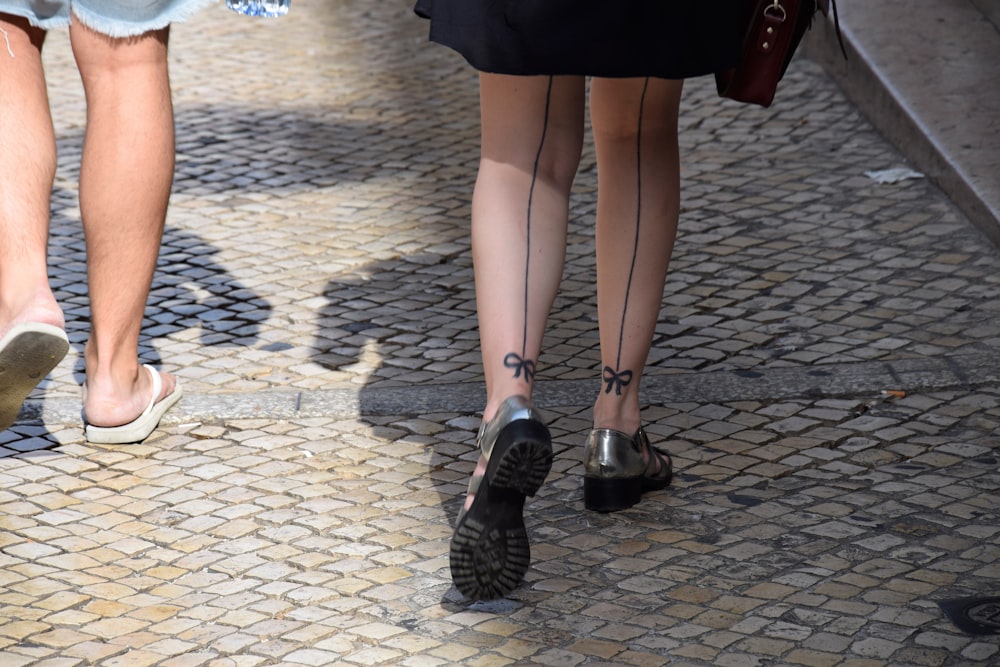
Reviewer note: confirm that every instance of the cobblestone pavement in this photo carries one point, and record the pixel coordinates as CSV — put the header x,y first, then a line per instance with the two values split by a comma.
x,y
825,374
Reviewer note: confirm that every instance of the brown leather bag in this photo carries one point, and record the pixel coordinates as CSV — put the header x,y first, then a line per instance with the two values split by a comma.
x,y
774,30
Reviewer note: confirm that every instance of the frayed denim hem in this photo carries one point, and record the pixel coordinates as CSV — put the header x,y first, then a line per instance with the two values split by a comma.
x,y
137,25
57,20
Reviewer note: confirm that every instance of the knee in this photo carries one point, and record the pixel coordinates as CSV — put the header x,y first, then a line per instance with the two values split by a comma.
x,y
554,162
623,136
560,154
628,128
622,110
559,168
99,56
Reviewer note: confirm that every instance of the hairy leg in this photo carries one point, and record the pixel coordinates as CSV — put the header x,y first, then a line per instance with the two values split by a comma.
x,y
27,171
532,135
125,181
635,134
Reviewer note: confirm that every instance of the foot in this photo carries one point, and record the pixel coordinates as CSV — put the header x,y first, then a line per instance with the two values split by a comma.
x,y
489,549
113,418
38,307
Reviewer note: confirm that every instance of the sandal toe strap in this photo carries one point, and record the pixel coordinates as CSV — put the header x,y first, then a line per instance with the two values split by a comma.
x,y
660,464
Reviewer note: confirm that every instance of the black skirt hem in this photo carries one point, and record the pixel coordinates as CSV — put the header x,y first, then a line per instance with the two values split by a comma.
x,y
625,39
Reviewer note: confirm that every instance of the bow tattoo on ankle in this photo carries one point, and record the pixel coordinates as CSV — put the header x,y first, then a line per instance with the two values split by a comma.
x,y
518,364
616,380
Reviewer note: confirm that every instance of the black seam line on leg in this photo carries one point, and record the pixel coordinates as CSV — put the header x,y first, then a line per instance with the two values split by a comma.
x,y
635,245
531,197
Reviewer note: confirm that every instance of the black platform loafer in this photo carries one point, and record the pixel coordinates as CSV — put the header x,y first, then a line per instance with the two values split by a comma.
x,y
489,549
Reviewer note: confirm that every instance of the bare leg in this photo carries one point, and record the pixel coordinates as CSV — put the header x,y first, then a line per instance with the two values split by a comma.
x,y
532,134
27,171
532,137
125,180
635,133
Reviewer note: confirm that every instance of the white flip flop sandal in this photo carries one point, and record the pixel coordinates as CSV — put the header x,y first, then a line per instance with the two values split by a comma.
x,y
28,353
138,429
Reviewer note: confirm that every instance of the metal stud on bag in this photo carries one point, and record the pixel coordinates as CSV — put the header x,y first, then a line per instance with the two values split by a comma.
x,y
774,16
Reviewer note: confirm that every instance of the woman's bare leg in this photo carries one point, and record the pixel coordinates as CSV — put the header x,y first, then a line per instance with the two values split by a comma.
x,y
635,134
532,131
532,138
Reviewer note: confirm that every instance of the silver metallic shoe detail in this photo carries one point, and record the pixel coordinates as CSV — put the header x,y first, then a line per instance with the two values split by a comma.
x,y
512,409
617,469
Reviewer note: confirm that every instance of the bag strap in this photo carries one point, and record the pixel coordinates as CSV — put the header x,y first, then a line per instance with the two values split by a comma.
x,y
824,6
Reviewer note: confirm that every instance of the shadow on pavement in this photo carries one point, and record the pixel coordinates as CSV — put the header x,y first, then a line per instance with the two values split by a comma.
x,y
403,323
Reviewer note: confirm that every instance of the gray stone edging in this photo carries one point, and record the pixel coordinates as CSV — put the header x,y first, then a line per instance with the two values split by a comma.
x,y
856,379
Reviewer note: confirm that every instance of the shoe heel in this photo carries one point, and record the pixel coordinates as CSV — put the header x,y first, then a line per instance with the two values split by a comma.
x,y
610,495
488,560
526,457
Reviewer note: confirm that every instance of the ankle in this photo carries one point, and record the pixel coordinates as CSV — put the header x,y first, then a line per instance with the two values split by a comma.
x,y
618,415
494,402
115,398
38,306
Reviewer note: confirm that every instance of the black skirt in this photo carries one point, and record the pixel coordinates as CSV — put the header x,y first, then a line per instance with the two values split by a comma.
x,y
671,39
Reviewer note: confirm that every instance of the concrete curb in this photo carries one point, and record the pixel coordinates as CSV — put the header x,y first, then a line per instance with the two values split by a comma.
x,y
772,384
924,73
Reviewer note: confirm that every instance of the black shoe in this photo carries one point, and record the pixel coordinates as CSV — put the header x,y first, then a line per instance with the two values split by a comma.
x,y
489,549
618,469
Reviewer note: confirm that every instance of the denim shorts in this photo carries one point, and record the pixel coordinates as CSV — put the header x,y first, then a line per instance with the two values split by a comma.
x,y
115,18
